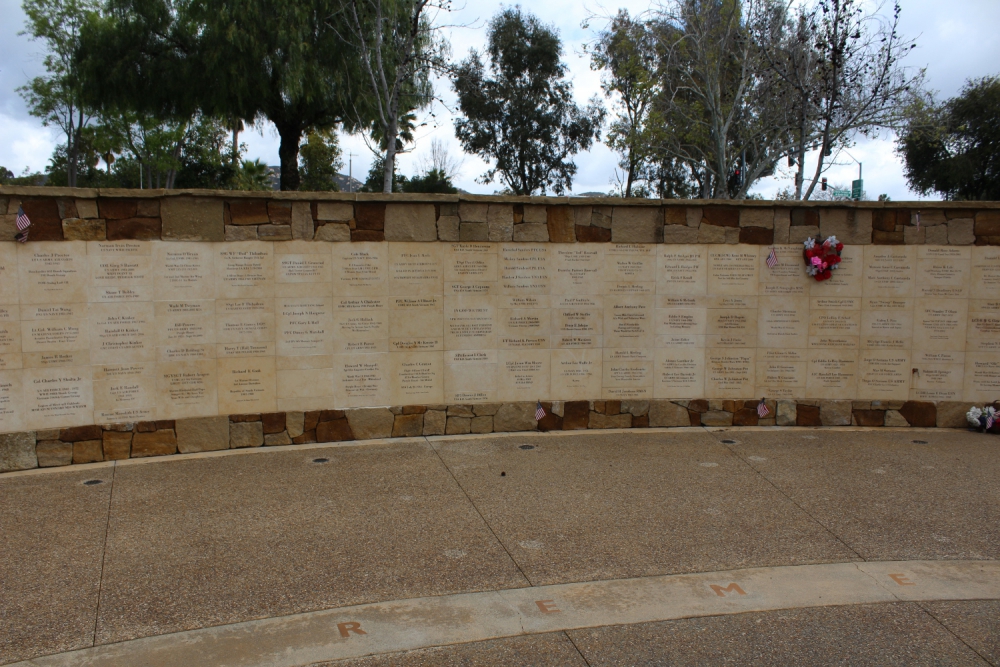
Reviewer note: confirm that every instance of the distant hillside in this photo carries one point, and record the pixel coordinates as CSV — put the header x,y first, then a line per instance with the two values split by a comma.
x,y
344,182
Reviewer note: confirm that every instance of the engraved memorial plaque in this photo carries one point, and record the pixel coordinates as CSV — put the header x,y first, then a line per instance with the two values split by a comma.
x,y
681,270
244,269
417,378
360,269
733,271
470,269
124,392
729,373
470,376
122,332
360,325
577,322
469,323
522,375
55,397
247,385
524,268
415,269
186,389
889,271
121,271
630,268
577,268
628,322
53,272
183,271
628,374
679,373
305,326
575,373
884,375
185,329
943,271
832,374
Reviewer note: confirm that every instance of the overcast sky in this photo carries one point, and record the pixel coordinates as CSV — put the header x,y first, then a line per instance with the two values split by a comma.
x,y
956,40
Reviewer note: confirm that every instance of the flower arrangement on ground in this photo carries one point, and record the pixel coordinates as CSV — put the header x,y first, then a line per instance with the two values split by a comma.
x,y
822,256
981,419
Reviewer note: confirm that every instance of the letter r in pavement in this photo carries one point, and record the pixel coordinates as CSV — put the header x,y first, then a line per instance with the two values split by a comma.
x,y
347,628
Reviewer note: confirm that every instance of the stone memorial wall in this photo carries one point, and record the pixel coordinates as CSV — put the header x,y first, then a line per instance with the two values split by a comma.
x,y
284,319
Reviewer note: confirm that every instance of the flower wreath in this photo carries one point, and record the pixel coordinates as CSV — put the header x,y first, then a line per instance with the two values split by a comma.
x,y
822,257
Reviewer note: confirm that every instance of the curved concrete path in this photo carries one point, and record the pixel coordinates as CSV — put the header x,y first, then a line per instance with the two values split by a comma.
x,y
403,625
772,546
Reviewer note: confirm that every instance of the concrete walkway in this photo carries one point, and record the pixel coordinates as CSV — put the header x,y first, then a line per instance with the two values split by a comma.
x,y
691,546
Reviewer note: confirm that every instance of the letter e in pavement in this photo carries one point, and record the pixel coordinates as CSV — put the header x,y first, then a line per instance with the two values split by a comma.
x,y
731,588
901,579
347,628
547,606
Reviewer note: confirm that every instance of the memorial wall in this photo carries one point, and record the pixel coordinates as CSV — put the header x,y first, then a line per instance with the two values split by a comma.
x,y
126,331
144,323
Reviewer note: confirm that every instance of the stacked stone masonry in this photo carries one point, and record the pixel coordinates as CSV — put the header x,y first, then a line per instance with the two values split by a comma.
x,y
140,324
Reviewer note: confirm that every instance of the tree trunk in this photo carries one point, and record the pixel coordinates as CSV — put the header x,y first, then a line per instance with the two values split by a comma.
x,y
389,166
71,151
236,143
288,152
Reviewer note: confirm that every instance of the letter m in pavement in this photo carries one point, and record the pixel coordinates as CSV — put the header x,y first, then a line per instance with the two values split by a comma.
x,y
731,588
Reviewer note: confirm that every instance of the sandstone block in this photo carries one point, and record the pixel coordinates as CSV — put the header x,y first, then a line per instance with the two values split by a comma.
x,y
869,418
593,235
302,221
78,433
67,208
757,217
461,411
674,215
500,222
482,424
80,229
369,215
961,231
192,219
914,235
951,414
367,423
636,224
248,212
531,232
274,422
665,413
334,210
919,413
746,417
470,212
333,232
46,225
87,208
485,409
410,222
156,443
782,222
434,422
937,235
117,445
835,413
635,408
473,231
115,209
987,223
277,439
88,451
279,212
721,216
600,216
17,451
893,418
561,224
535,214
756,235
459,426
141,229
201,434
53,453
807,415
246,434
335,430
408,426
447,228
798,234
850,227
515,417
294,421
717,418
241,233
887,238
576,415
680,234
711,234
276,232
694,217
597,420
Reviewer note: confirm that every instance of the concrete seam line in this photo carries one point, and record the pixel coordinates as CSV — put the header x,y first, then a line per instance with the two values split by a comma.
x,y
402,625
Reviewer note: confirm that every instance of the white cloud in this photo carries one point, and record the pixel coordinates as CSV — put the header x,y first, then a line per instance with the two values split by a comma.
x,y
25,143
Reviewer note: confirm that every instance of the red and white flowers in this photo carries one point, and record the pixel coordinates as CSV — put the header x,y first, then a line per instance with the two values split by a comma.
x,y
822,257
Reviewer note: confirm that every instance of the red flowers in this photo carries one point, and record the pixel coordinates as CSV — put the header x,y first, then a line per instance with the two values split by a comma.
x,y
822,257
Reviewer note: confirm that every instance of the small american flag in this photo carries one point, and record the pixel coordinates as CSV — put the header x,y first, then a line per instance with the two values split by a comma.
x,y
22,225
989,420
539,411
772,259
762,410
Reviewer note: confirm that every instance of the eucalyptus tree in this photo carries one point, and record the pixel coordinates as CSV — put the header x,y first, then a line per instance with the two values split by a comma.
x,y
233,59
517,107
57,97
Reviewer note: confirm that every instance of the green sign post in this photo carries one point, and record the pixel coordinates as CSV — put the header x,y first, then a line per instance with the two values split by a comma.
x,y
856,188
841,194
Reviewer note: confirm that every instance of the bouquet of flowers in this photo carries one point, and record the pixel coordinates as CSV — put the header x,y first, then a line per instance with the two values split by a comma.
x,y
981,420
822,257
